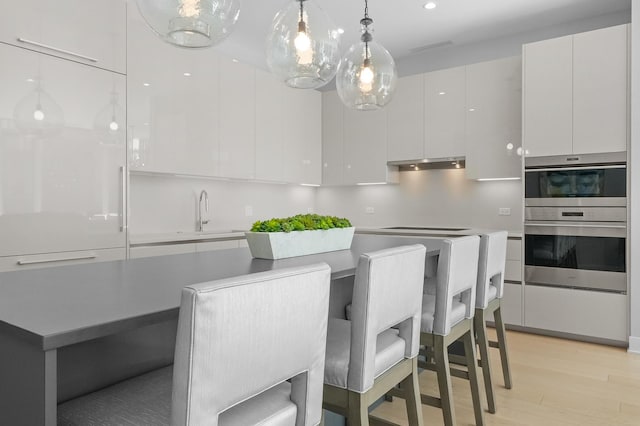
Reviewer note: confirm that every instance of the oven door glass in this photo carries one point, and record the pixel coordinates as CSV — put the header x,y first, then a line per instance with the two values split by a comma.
x,y
576,182
575,252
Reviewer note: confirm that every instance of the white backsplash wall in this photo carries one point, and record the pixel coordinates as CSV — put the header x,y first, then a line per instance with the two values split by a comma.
x,y
160,204
427,198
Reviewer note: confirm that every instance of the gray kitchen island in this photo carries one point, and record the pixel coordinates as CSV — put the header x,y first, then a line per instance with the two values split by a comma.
x,y
69,330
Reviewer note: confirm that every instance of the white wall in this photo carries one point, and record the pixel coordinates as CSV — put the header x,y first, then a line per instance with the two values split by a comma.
x,y
427,198
161,204
634,223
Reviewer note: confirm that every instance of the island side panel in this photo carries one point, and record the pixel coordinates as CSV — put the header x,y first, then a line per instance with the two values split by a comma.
x,y
28,390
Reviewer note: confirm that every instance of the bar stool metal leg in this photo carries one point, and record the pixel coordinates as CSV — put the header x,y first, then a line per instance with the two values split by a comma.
x,y
480,327
502,346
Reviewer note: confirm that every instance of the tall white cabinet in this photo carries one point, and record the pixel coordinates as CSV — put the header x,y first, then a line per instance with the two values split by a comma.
x,y
62,161
576,90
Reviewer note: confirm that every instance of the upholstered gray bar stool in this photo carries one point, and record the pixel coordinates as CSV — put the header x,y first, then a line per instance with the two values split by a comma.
x,y
239,341
493,253
367,356
447,316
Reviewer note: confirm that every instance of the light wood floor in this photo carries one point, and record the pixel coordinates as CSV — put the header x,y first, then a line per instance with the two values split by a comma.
x,y
555,382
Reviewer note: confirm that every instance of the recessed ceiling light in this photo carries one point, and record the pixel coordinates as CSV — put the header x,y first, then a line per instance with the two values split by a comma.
x,y
442,93
234,60
430,5
146,84
187,74
471,109
30,80
340,31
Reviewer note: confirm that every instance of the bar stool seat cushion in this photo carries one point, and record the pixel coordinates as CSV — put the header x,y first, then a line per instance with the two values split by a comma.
x,y
458,310
493,293
146,400
390,349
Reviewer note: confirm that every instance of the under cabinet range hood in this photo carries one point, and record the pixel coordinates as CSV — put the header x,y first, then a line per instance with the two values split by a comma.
x,y
429,164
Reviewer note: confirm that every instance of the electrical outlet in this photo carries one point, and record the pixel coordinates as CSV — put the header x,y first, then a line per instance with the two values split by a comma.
x,y
248,211
369,210
504,211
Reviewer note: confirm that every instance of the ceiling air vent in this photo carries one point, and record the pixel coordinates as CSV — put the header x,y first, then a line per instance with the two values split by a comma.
x,y
431,46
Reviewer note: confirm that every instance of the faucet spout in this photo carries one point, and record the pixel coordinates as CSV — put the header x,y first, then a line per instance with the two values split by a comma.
x,y
204,196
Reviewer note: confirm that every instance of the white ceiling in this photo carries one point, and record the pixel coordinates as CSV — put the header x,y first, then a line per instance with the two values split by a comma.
x,y
403,25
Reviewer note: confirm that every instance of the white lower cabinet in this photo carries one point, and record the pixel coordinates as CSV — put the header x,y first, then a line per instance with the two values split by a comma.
x,y
580,312
216,245
182,248
47,260
511,304
161,250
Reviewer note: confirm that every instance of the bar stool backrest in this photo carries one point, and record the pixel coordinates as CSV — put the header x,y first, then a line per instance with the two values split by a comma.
x,y
241,336
456,276
387,293
491,266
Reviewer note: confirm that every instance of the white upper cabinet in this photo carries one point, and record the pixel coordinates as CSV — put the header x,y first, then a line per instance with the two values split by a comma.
x,y
444,113
332,139
600,90
302,135
494,102
287,132
354,144
269,127
548,97
62,155
365,147
173,105
405,114
236,112
91,32
575,93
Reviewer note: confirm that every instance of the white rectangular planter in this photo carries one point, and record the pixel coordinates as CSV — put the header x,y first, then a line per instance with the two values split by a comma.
x,y
278,245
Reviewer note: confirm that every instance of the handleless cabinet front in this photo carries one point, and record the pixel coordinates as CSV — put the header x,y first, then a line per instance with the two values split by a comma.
x,y
173,105
90,32
62,155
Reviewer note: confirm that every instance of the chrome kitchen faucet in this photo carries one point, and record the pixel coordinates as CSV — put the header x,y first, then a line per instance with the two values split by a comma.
x,y
203,196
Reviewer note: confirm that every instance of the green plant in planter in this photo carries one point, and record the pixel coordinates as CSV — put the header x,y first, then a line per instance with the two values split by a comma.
x,y
301,222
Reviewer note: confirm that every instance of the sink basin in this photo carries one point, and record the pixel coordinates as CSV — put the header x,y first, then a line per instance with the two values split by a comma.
x,y
421,228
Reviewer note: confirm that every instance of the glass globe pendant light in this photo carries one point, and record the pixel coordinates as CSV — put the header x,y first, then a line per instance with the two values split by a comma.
x,y
367,76
303,45
191,23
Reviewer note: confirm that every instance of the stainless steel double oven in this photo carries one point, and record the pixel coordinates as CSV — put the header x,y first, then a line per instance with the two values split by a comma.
x,y
576,222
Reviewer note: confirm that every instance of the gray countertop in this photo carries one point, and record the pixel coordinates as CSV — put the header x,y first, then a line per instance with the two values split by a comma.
x,y
220,235
54,307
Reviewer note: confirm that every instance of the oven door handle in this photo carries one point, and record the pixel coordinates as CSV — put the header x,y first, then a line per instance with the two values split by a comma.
x,y
576,225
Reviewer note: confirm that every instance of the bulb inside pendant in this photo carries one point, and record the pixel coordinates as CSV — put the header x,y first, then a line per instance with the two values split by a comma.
x,y
365,81
189,8
303,45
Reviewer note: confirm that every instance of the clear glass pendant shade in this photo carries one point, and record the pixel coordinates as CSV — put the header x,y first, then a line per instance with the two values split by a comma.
x,y
38,113
367,76
191,23
303,45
